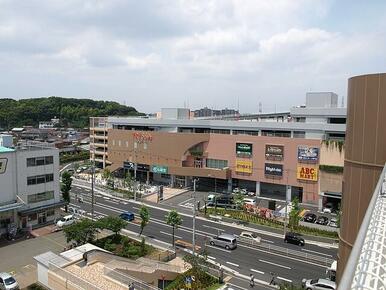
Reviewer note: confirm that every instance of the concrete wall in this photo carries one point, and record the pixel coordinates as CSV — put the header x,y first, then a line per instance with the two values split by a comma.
x,y
330,155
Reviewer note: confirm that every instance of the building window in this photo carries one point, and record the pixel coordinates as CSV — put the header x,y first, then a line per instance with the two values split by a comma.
x,y
50,212
39,161
216,163
299,134
40,179
42,196
32,217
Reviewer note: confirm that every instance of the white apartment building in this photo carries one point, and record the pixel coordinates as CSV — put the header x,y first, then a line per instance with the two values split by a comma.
x,y
30,188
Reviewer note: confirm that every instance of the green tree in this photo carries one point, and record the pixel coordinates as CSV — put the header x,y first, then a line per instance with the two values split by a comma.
x,y
173,219
66,187
114,224
294,215
81,232
145,217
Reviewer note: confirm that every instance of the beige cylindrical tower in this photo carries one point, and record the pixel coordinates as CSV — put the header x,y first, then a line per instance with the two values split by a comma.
x,y
365,155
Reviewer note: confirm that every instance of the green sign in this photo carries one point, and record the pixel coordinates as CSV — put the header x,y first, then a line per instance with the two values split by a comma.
x,y
159,169
244,149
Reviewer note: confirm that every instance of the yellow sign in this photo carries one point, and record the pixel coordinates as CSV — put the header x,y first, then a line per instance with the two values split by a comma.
x,y
244,166
305,172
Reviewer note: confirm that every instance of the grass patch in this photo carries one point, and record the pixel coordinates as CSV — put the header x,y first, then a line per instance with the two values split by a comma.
x,y
250,218
124,247
202,281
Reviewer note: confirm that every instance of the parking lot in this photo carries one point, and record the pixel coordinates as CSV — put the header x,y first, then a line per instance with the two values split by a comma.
x,y
17,258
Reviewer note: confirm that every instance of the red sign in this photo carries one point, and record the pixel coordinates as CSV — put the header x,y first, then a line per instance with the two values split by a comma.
x,y
142,137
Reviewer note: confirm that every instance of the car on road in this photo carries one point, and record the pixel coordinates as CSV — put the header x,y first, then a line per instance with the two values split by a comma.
x,y
71,171
65,221
318,284
333,223
7,282
226,241
250,201
322,220
294,238
249,237
127,216
310,218
328,208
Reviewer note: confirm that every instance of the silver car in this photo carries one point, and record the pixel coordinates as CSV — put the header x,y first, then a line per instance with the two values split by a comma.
x,y
224,240
318,284
7,282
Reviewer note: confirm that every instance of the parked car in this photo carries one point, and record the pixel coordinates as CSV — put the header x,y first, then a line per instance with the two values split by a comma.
x,y
127,216
310,218
224,240
7,282
249,236
322,220
294,238
71,171
65,221
328,208
333,223
250,201
318,284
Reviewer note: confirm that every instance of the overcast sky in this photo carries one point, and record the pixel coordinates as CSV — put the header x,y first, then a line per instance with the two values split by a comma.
x,y
153,54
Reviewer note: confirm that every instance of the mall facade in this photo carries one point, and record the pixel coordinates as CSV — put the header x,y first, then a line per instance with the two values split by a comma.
x,y
278,159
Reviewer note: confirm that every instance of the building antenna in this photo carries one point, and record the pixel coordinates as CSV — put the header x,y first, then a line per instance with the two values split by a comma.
x,y
260,107
342,101
238,104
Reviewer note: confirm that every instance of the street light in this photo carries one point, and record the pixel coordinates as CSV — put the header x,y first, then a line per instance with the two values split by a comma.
x,y
194,217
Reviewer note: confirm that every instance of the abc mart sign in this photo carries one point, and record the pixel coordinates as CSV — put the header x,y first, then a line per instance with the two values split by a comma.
x,y
3,165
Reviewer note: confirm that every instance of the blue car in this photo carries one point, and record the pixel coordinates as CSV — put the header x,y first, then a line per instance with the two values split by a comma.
x,y
127,216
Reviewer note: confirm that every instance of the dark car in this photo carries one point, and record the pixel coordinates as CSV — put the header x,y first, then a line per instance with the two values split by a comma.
x,y
322,220
294,238
127,216
310,218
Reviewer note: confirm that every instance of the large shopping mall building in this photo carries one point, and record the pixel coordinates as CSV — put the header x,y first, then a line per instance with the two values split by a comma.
x,y
278,156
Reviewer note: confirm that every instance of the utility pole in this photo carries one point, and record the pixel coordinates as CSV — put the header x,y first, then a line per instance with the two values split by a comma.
x,y
194,217
92,183
135,171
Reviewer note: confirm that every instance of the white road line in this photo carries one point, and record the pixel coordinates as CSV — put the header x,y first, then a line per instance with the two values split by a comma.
x,y
137,208
210,227
169,234
183,202
257,271
112,201
284,279
268,241
218,249
274,264
210,257
317,253
233,264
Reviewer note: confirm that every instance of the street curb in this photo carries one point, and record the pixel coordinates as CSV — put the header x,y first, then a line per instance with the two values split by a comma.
x,y
321,244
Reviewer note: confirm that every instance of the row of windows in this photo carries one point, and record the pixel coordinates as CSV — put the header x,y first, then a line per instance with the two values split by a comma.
x,y
42,196
216,163
38,161
40,179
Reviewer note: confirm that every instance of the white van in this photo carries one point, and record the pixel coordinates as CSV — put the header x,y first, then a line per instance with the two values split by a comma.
x,y
250,201
65,221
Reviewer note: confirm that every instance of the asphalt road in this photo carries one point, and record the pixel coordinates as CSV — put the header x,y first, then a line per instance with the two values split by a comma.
x,y
244,260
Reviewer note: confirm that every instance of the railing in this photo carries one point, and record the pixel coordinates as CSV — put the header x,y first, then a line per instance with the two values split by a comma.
x,y
366,266
127,280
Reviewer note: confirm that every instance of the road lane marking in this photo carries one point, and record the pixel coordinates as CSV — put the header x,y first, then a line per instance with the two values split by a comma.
x,y
137,208
268,241
210,257
112,201
257,271
169,234
218,249
317,252
284,279
233,264
274,264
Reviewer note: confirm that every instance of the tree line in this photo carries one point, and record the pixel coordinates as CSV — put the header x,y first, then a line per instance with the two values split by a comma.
x,y
72,112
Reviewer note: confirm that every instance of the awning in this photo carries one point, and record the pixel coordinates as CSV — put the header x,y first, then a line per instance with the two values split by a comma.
x,y
11,206
28,211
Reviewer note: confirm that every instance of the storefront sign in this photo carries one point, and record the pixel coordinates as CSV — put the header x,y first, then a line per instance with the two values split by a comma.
x,y
243,166
143,167
159,169
128,165
273,169
3,165
306,153
307,173
142,137
243,149
274,152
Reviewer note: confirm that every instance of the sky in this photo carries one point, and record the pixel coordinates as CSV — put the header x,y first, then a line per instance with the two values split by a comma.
x,y
152,54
